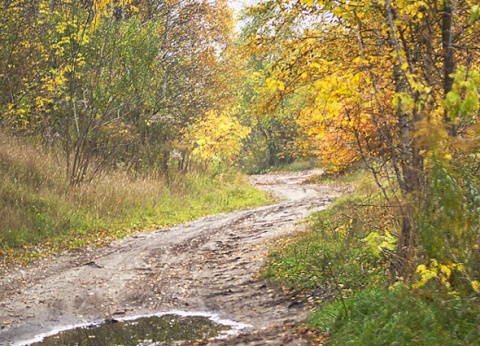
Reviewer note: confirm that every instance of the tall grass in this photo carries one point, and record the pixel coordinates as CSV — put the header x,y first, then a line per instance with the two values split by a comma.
x,y
39,210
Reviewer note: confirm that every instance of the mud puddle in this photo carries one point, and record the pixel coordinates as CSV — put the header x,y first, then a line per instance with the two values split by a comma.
x,y
158,329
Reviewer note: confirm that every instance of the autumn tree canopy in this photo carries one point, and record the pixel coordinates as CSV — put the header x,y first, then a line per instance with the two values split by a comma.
x,y
391,83
112,83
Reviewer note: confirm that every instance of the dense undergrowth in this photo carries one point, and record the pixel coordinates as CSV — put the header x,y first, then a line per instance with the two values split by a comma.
x,y
41,213
344,260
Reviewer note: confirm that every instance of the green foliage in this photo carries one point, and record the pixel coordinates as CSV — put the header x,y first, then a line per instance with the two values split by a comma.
x,y
377,316
274,129
112,85
372,88
450,222
350,177
333,252
377,90
475,14
295,166
462,101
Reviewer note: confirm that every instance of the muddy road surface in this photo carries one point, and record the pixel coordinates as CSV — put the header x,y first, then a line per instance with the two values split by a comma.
x,y
209,265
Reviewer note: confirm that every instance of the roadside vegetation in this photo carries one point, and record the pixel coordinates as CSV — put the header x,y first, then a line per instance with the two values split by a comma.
x,y
41,212
395,86
299,165
343,262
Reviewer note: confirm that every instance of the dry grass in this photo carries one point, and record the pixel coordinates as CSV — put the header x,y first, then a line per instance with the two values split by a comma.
x,y
40,211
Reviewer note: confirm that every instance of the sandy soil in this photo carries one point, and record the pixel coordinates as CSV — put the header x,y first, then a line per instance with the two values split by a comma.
x,y
207,265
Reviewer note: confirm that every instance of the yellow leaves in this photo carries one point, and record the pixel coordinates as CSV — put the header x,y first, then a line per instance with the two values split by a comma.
x,y
379,243
411,10
348,123
43,8
318,132
319,83
41,103
360,15
134,9
325,123
438,271
217,137
338,12
61,27
476,286
275,85
342,230
425,275
100,8
307,2
415,82
56,80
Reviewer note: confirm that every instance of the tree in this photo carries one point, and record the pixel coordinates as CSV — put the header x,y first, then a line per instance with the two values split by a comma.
x,y
112,83
379,73
217,137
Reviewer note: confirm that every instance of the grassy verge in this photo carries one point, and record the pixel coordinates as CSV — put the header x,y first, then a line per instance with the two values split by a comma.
x,y
344,258
40,213
332,253
399,316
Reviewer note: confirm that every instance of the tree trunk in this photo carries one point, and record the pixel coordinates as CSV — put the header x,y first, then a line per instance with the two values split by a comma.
x,y
448,58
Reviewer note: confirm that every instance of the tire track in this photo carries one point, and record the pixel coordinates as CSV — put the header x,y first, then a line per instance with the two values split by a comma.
x,y
207,265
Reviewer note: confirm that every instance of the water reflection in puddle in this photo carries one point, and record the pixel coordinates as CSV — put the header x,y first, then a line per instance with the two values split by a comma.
x,y
142,331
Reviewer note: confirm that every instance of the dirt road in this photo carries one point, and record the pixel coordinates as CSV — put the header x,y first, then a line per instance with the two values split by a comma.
x,y
206,265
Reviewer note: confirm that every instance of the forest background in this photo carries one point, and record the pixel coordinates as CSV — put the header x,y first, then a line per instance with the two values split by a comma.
x,y
114,113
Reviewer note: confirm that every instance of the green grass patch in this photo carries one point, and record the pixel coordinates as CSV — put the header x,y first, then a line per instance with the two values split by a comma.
x,y
334,252
399,316
349,176
41,213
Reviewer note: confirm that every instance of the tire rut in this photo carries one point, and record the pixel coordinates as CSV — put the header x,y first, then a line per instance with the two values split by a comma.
x,y
207,265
